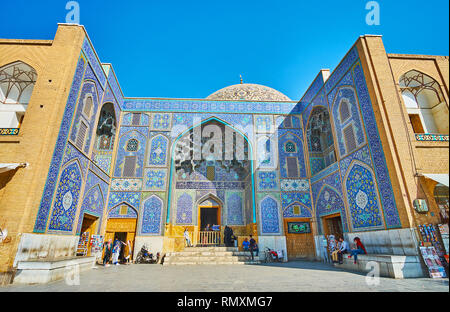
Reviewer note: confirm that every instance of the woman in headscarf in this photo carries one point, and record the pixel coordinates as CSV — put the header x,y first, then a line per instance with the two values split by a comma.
x,y
227,236
116,252
360,249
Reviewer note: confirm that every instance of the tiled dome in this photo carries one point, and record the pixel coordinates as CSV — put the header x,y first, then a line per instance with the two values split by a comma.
x,y
248,92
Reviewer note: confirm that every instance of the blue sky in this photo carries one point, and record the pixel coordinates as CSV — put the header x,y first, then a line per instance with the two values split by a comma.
x,y
189,49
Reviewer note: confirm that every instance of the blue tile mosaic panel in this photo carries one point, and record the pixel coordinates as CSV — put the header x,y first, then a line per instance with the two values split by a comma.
x,y
292,185
348,95
158,151
46,201
268,181
151,215
155,179
127,185
270,211
184,209
66,200
234,204
391,216
130,198
115,213
287,199
95,193
293,137
362,198
127,134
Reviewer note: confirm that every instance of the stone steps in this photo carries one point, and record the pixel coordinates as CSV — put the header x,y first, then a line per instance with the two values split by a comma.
x,y
209,256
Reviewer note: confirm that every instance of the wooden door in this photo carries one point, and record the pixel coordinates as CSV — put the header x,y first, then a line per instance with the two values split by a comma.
x,y
121,225
299,246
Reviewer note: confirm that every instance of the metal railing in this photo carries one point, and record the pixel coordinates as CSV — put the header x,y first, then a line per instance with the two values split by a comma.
x,y
208,238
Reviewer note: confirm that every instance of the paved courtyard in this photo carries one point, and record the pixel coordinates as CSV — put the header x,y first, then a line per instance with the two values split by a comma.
x,y
283,277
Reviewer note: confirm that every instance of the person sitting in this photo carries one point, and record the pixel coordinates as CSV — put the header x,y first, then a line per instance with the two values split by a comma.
x,y
335,252
343,249
256,249
246,244
360,249
216,227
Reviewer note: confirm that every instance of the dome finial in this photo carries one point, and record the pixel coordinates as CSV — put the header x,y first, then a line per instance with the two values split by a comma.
x,y
241,79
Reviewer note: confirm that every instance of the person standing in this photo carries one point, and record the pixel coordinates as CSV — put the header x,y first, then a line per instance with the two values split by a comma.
x,y
108,249
116,252
187,238
128,251
227,236
252,246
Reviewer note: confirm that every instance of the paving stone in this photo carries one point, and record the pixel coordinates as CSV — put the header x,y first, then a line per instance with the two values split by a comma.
x,y
296,276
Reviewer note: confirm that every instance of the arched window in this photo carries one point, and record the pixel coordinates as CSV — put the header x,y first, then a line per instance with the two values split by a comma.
x,y
344,110
132,145
290,147
88,104
425,104
320,140
106,129
17,81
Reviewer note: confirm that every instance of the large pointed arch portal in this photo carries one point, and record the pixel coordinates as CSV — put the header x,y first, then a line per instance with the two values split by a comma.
x,y
206,163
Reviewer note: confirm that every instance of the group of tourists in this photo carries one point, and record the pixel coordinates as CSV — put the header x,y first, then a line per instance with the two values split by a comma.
x,y
342,247
112,250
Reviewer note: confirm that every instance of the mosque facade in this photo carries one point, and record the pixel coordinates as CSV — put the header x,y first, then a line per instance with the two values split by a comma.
x,y
365,146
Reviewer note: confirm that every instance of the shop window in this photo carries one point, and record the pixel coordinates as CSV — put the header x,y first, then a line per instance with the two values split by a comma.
x,y
17,82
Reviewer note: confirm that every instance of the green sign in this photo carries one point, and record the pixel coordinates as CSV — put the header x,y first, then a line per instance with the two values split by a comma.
x,y
299,227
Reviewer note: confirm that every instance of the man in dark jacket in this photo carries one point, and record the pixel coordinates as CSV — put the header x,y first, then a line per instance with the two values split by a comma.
x,y
108,250
253,246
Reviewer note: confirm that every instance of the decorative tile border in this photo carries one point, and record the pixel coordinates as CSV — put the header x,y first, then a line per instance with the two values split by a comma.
x,y
432,137
391,215
9,131
50,184
174,105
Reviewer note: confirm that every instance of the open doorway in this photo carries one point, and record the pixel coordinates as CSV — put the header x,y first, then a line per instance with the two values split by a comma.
x,y
208,216
333,225
88,228
123,229
121,236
